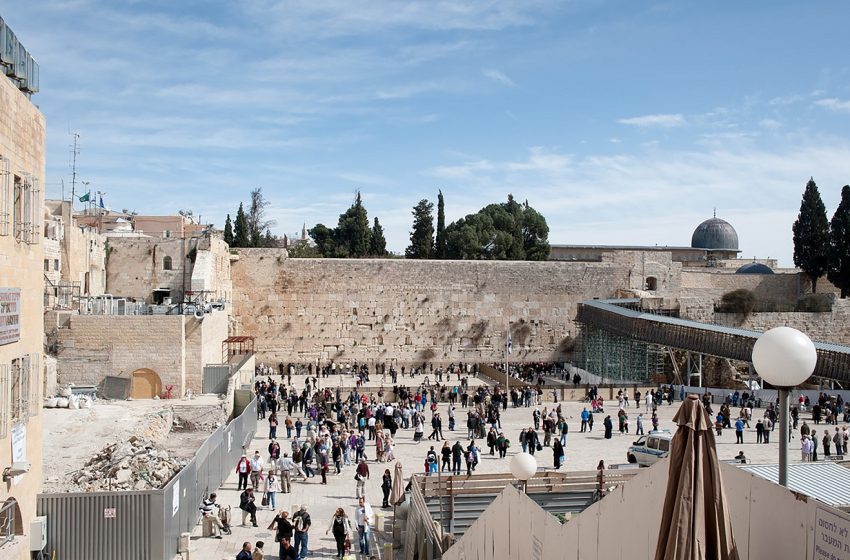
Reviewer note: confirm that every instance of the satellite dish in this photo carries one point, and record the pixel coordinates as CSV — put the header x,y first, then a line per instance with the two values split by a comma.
x,y
199,314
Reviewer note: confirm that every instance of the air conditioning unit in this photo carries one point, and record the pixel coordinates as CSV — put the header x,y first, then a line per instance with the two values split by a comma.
x,y
38,533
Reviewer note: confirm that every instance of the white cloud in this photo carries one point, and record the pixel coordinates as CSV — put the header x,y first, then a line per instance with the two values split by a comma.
x,y
615,140
770,124
661,119
834,104
497,76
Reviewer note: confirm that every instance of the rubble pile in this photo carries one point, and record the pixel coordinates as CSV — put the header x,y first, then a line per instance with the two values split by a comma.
x,y
135,464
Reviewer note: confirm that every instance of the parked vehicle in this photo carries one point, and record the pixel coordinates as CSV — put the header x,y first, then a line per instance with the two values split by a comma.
x,y
648,449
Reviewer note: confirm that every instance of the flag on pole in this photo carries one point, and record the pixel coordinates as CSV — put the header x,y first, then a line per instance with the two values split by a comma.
x,y
510,344
101,203
86,197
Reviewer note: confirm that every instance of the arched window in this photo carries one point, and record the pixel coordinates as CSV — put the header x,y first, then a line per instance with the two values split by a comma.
x,y
652,283
166,263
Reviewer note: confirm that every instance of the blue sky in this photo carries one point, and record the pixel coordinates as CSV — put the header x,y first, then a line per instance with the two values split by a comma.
x,y
623,122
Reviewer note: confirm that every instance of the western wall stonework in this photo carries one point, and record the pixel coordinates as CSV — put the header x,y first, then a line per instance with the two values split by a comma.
x,y
404,312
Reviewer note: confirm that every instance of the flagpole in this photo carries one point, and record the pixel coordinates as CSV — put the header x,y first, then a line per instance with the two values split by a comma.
x,y
507,360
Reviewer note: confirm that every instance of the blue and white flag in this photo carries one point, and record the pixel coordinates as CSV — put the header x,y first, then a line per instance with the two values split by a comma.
x,y
510,344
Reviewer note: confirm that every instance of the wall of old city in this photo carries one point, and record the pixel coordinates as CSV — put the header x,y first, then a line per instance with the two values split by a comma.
x,y
409,312
22,147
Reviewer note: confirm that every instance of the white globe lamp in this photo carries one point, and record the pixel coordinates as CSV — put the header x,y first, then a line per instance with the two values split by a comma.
x,y
784,357
523,467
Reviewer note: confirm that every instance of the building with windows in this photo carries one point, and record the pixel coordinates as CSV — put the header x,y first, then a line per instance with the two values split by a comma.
x,y
22,163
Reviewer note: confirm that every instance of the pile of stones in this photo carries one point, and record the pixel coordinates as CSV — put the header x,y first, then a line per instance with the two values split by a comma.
x,y
135,464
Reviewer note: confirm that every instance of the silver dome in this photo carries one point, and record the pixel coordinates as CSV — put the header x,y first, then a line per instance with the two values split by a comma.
x,y
715,234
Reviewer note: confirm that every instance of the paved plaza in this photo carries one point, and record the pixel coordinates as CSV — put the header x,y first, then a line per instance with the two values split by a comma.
x,y
583,452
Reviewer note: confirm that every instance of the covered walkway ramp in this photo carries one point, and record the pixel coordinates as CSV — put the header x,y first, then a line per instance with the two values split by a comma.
x,y
620,342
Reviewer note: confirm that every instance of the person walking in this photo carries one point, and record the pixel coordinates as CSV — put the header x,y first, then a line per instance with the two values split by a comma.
x,y
609,427
739,431
302,523
243,469
386,486
272,488
257,464
284,530
759,432
457,453
361,476
341,531
273,425
246,504
585,415
363,519
245,553
558,452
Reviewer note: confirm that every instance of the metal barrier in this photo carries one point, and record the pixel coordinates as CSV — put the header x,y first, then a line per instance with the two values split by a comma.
x,y
146,524
7,521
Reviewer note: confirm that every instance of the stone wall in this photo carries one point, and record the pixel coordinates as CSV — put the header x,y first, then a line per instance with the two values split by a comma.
x,y
137,267
407,311
176,347
702,288
94,346
22,143
203,346
833,326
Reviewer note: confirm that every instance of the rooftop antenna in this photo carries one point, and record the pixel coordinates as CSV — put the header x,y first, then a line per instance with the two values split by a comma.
x,y
75,150
715,211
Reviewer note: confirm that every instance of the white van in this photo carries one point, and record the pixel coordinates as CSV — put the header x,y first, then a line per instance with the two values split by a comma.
x,y
650,448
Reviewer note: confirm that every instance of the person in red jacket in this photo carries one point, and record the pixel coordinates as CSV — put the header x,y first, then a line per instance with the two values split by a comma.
x,y
243,469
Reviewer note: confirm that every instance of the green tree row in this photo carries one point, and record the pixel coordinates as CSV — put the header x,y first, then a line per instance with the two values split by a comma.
x,y
506,231
352,237
822,247
251,228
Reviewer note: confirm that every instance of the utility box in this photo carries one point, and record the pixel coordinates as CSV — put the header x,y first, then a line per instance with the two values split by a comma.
x,y
38,533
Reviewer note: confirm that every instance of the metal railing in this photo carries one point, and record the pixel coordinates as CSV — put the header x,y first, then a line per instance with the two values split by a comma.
x,y
145,525
7,522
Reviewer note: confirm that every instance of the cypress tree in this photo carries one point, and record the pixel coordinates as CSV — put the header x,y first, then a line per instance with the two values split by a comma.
x,y
422,237
838,270
240,229
440,244
228,231
378,246
811,235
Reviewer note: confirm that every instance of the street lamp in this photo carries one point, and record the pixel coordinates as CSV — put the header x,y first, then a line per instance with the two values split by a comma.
x,y
523,467
784,357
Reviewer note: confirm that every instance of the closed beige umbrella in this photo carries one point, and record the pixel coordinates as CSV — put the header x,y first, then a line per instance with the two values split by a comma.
x,y
397,491
695,522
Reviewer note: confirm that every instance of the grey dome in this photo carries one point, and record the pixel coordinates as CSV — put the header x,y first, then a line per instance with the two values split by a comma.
x,y
716,235
754,268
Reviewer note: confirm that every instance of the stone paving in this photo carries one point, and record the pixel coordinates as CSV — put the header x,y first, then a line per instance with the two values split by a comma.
x,y
583,452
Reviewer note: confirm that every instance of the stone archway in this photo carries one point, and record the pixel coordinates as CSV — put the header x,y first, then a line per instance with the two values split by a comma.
x,y
146,384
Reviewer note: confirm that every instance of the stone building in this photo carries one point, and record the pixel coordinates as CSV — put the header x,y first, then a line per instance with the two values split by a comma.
x,y
74,258
22,164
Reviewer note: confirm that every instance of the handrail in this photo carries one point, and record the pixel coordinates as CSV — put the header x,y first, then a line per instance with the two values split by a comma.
x,y
419,507
7,522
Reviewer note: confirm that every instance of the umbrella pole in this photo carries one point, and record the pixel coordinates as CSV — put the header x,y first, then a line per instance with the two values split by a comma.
x,y
783,436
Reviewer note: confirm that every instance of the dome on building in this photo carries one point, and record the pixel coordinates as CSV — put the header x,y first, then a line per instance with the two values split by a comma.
x,y
715,234
754,268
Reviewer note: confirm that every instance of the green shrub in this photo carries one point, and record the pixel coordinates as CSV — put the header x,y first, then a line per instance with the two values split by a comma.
x,y
738,301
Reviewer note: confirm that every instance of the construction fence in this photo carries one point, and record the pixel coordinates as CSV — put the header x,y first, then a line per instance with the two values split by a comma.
x,y
144,525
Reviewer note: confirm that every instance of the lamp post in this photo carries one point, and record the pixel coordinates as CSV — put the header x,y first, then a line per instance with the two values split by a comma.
x,y
784,357
523,467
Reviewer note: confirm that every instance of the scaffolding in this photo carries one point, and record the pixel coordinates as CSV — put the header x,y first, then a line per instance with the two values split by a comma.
x,y
618,358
